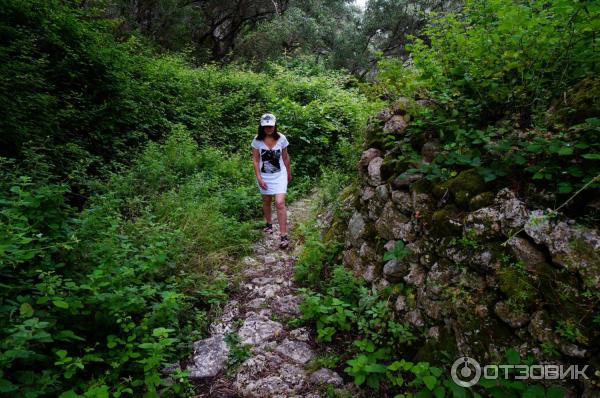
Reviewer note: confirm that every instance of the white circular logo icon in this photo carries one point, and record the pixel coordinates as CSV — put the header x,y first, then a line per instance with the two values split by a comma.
x,y
465,372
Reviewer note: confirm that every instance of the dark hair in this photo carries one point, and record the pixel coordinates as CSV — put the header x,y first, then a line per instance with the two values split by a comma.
x,y
262,135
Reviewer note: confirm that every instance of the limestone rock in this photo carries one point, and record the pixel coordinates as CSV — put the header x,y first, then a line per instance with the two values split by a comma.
x,y
389,245
394,270
573,350
298,351
356,228
403,201
416,276
482,260
421,202
293,375
367,194
439,277
210,357
514,213
382,192
374,170
395,125
256,303
414,318
326,376
375,207
514,319
400,304
526,252
351,259
392,224
385,114
573,247
367,253
287,305
405,179
433,333
300,334
366,158
430,150
484,222
257,329
370,273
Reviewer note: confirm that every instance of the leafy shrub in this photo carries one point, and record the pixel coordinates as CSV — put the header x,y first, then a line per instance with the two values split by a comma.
x,y
502,81
114,292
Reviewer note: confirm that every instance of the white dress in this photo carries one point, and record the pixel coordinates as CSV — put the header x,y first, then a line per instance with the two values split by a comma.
x,y
271,166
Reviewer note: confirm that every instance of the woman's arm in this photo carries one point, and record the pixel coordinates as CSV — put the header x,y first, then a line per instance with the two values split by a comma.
x,y
256,161
286,161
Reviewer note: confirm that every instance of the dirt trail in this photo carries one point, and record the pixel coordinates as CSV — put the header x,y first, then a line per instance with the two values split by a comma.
x,y
259,315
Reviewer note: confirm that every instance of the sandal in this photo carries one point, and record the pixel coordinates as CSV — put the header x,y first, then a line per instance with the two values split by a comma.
x,y
269,228
284,242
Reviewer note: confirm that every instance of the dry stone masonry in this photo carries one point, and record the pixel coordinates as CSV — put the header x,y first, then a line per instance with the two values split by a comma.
x,y
486,270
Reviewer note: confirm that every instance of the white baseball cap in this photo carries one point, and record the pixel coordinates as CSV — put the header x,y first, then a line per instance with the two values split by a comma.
x,y
268,119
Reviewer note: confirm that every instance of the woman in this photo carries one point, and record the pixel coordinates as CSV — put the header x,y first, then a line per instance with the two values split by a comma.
x,y
273,172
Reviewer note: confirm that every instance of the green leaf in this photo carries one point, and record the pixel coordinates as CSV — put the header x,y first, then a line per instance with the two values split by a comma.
x,y
375,368
565,151
67,335
430,382
7,386
373,382
70,394
60,303
360,379
439,392
437,372
457,391
592,156
565,187
512,357
26,310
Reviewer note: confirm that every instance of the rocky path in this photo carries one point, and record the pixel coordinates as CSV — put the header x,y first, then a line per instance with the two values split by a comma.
x,y
259,314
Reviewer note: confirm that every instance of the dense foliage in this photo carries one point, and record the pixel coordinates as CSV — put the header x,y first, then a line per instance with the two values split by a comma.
x,y
507,92
126,182
370,342
512,90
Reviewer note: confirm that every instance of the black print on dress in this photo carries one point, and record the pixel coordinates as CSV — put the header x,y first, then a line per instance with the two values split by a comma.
x,y
270,159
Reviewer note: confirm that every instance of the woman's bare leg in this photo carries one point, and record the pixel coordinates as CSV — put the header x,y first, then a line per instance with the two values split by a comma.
x,y
281,213
267,200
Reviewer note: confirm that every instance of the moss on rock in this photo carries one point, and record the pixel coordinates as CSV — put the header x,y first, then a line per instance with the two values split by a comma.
x,y
580,102
439,189
391,167
466,185
481,200
443,223
421,186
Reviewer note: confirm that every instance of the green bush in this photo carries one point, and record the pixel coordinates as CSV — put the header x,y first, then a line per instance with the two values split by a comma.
x,y
79,100
504,81
122,288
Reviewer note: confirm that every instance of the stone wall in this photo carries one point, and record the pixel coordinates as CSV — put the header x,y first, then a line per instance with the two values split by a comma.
x,y
485,271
